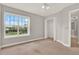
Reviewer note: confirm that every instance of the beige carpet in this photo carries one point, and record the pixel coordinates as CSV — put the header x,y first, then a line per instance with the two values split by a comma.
x,y
42,47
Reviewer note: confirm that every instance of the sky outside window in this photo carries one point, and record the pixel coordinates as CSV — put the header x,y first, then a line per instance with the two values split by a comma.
x,y
11,20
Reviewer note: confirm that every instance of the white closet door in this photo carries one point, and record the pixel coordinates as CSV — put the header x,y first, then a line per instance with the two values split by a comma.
x,y
50,28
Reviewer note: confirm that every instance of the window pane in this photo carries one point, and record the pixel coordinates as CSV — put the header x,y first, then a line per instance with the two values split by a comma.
x,y
23,26
11,25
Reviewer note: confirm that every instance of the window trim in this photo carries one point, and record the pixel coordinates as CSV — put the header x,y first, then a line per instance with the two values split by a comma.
x,y
18,35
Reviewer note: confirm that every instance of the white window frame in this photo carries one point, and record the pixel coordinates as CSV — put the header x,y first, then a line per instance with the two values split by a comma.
x,y
18,35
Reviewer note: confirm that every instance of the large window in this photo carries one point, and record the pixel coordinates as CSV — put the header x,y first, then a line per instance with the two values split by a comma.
x,y
16,25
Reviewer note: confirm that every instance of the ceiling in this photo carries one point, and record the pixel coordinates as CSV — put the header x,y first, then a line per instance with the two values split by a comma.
x,y
36,8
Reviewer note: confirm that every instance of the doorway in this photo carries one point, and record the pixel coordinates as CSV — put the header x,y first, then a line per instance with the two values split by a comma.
x,y
50,28
75,28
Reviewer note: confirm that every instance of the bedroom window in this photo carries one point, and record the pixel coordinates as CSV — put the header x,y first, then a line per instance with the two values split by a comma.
x,y
16,25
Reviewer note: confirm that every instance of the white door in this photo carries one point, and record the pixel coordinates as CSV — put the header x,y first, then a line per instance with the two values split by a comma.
x,y
50,29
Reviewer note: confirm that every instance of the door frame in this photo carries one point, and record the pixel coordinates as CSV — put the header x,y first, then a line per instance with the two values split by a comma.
x,y
54,27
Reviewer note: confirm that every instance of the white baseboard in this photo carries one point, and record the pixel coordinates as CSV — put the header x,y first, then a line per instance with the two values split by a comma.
x,y
62,43
7,45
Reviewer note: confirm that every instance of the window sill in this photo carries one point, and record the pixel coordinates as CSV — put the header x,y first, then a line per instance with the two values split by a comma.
x,y
17,36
